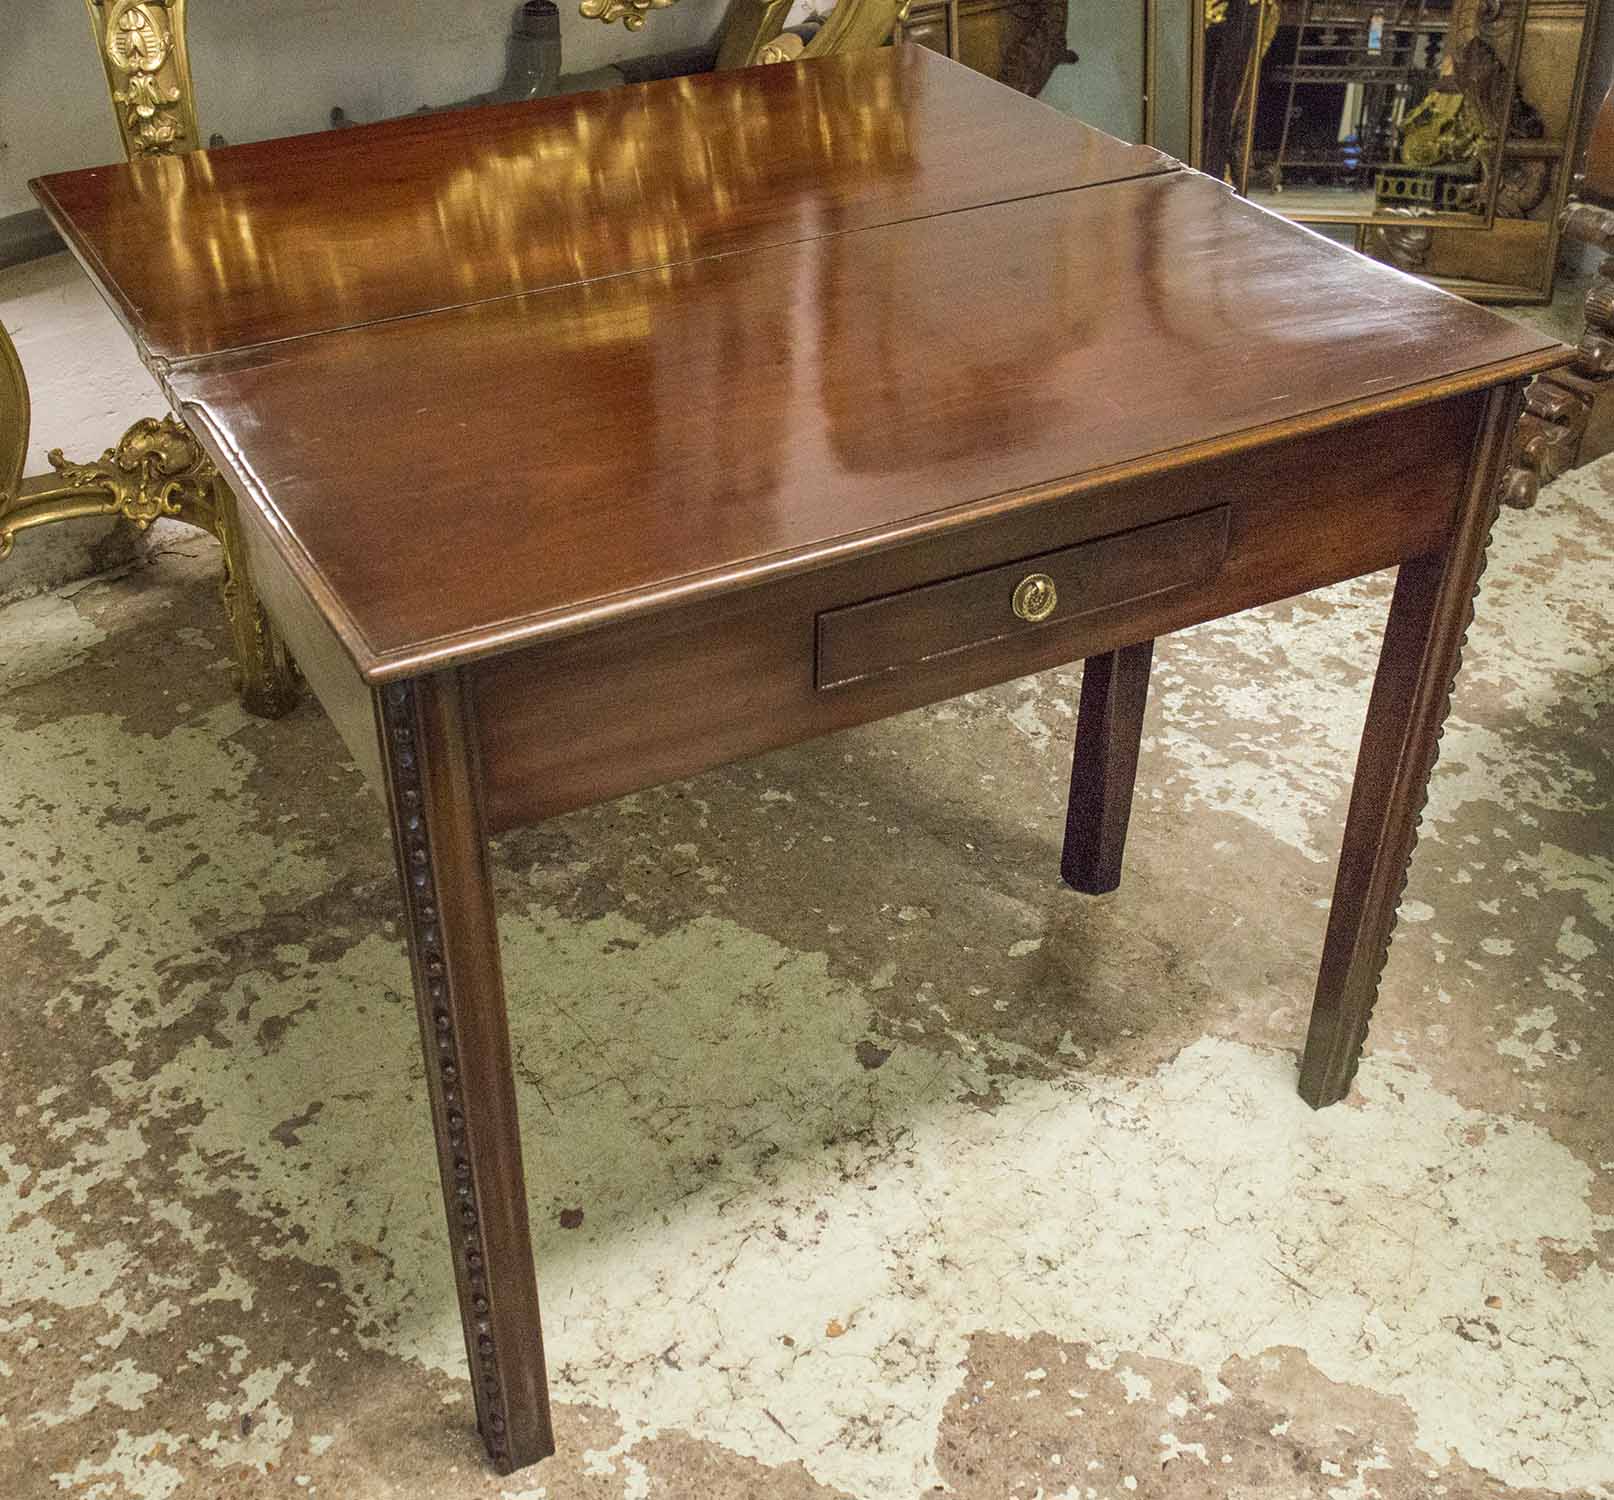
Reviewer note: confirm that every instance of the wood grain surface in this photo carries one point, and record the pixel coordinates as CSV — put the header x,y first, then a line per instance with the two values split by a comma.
x,y
903,629
217,249
573,721
456,485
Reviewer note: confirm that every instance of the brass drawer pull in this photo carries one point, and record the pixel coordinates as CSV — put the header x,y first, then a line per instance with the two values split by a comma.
x,y
1035,598
928,623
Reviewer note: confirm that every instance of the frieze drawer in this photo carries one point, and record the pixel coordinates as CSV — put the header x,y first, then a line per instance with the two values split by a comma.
x,y
1035,593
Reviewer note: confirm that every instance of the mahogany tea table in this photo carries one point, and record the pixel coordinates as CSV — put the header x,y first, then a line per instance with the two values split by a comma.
x,y
586,444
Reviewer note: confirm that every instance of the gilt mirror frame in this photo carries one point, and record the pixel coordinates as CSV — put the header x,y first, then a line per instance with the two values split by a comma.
x,y
1166,47
1174,77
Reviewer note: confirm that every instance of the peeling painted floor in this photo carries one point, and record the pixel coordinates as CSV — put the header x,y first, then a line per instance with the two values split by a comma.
x,y
865,1159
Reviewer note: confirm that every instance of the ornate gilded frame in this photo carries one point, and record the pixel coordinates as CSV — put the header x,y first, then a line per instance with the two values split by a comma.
x,y
1501,24
157,469
148,73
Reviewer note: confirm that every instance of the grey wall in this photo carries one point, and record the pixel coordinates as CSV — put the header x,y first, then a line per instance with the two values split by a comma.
x,y
1106,87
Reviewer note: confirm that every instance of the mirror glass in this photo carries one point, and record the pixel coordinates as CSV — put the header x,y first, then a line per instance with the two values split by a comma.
x,y
1365,111
1169,86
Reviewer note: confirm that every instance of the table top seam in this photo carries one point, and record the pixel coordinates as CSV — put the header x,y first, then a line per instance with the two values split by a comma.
x,y
1172,169
652,595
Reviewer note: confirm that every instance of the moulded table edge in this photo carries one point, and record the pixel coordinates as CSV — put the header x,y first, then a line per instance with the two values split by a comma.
x,y
378,665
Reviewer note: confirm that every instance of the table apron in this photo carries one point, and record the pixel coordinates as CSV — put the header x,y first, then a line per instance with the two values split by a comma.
x,y
320,656
580,720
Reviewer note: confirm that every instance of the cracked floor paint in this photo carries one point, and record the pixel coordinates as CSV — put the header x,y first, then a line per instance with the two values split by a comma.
x,y
865,1160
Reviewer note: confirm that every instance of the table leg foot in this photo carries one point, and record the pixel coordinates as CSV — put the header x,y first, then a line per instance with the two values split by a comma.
x,y
1423,643
1109,727
435,796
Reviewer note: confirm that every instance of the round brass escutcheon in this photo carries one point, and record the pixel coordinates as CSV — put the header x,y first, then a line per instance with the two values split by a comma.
x,y
1035,598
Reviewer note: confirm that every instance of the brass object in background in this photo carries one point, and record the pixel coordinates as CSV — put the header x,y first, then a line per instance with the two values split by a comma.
x,y
787,48
1323,120
751,27
631,13
1035,598
1449,153
1508,257
753,30
752,33
148,71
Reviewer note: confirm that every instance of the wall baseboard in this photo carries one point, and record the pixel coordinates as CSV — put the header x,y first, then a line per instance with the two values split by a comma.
x,y
26,236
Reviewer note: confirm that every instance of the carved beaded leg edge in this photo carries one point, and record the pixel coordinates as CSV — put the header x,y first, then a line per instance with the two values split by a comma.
x,y
1452,580
1360,1033
436,1000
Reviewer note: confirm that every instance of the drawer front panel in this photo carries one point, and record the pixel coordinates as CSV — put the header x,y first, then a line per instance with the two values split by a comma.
x,y
597,715
919,625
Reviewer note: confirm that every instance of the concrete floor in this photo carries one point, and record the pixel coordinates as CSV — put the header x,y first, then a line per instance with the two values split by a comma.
x,y
865,1159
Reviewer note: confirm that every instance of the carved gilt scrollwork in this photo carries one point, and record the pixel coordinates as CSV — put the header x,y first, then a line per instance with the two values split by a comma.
x,y
142,46
631,13
1480,109
266,676
157,469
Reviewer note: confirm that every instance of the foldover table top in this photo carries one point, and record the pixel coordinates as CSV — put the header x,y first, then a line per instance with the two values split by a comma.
x,y
510,374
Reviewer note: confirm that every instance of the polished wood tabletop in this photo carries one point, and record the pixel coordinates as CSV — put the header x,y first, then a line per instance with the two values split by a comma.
x,y
216,249
935,311
641,438
579,446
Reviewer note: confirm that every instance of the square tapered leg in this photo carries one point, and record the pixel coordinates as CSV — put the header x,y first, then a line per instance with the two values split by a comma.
x,y
1109,727
435,795
1423,645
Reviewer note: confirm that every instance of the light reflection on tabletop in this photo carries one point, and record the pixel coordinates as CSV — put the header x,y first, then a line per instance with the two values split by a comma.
x,y
274,239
